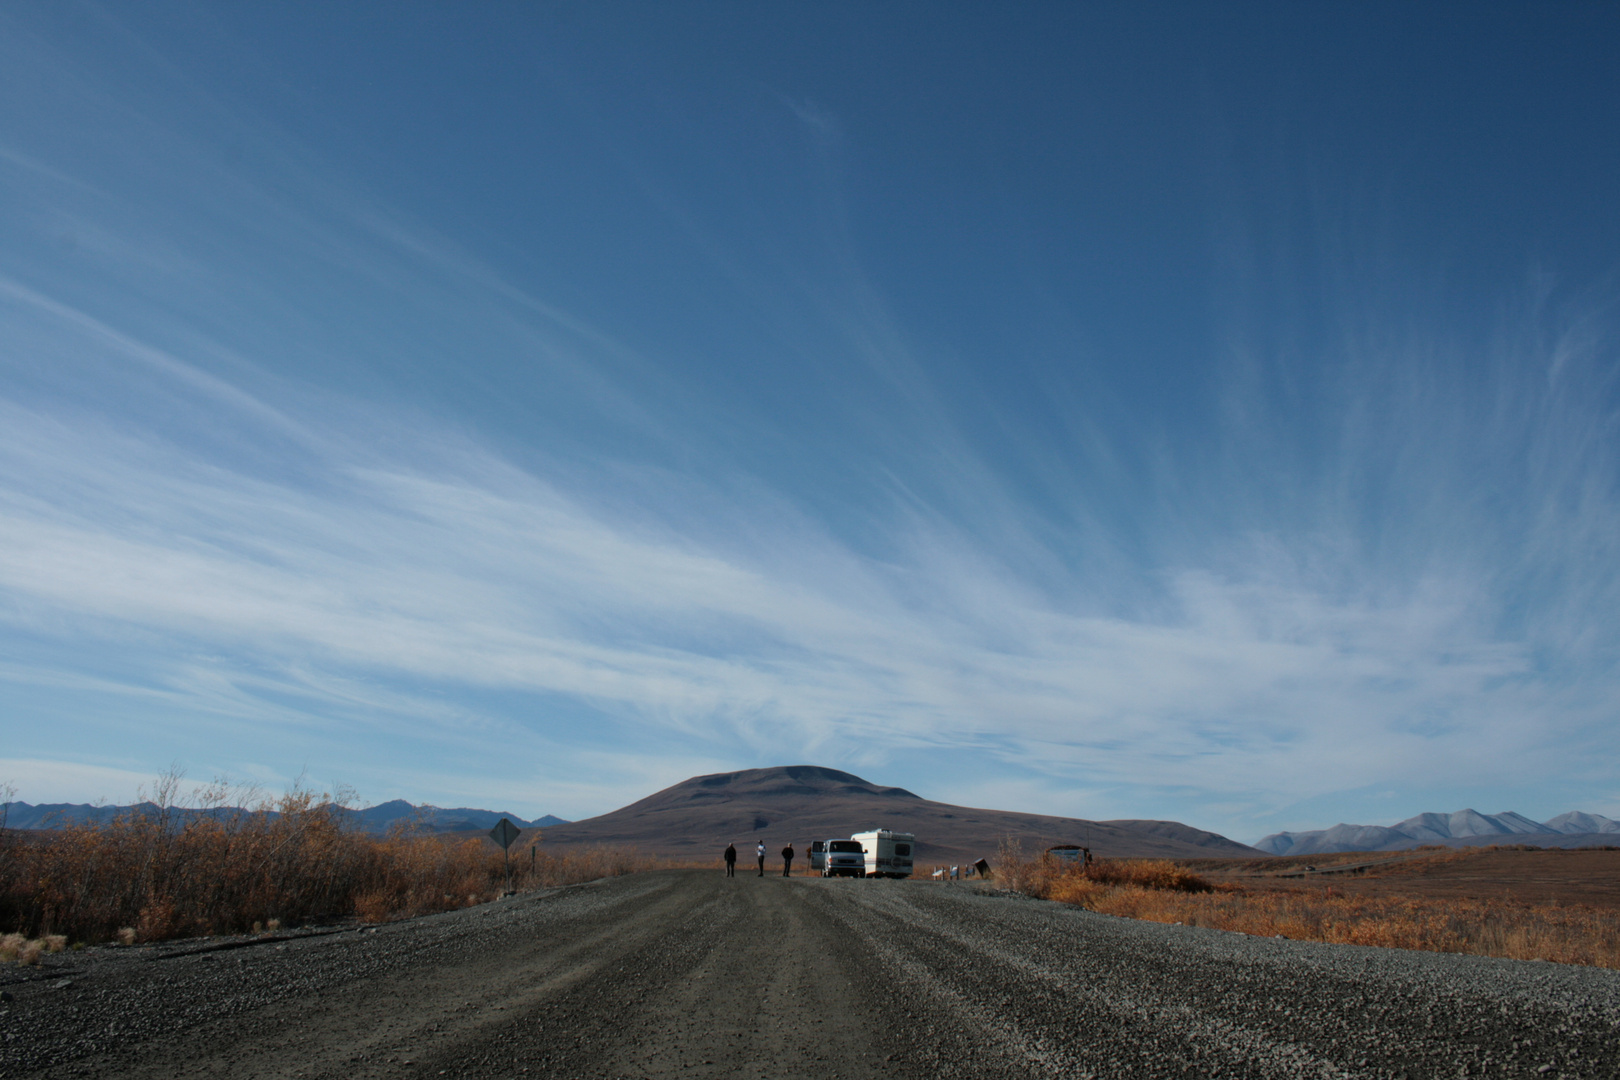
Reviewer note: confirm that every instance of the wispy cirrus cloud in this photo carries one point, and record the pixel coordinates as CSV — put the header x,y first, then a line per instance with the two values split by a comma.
x,y
389,585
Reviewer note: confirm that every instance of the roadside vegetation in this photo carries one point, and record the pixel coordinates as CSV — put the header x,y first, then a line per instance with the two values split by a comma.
x,y
283,862
1159,890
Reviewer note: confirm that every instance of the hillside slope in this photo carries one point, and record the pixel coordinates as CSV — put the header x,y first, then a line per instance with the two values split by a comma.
x,y
800,803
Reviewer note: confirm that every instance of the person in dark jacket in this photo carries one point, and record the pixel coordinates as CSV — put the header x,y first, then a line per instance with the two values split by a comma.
x,y
787,861
731,860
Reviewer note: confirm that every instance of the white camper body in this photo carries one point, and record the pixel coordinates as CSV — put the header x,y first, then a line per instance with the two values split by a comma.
x,y
888,854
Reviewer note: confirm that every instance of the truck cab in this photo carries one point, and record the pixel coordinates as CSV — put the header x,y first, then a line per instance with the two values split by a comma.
x,y
843,858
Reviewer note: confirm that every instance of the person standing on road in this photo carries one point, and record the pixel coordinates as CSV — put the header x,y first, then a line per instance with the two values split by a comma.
x,y
761,854
731,860
787,860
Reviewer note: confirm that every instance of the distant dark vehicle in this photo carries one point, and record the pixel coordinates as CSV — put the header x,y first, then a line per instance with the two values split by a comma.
x,y
1073,853
818,855
844,858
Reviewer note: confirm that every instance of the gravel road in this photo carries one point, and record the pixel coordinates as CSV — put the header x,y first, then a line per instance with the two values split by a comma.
x,y
687,973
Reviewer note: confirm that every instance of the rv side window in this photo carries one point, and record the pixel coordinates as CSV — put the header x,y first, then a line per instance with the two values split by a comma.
x,y
902,849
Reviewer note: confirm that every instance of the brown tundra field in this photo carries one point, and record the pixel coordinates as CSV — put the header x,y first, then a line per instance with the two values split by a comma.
x,y
1518,902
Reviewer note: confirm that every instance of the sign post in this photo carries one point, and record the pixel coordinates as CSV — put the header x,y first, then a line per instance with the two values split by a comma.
x,y
503,834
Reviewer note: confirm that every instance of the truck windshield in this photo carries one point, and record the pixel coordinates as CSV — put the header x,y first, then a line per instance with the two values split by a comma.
x,y
850,846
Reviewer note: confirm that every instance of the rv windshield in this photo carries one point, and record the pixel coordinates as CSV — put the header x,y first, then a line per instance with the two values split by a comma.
x,y
850,846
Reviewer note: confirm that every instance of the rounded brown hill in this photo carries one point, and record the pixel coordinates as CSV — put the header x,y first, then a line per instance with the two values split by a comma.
x,y
801,803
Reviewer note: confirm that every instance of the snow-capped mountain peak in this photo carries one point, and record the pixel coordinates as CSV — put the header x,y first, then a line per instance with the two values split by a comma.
x,y
1459,827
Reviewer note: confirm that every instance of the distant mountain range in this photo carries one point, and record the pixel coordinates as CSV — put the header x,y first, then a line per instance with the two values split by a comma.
x,y
796,804
802,803
377,819
1465,828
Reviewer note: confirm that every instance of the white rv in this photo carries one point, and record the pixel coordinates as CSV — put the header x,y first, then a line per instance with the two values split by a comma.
x,y
888,854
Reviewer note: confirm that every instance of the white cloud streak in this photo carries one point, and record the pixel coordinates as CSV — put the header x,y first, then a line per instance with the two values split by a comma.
x,y
458,570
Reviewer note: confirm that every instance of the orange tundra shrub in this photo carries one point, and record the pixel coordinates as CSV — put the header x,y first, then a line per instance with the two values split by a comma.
x,y
416,875
1159,891
165,872
1145,874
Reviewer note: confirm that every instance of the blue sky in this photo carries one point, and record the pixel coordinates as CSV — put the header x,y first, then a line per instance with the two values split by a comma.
x,y
1113,411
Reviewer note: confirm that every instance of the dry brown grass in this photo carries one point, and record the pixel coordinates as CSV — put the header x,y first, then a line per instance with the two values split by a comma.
x,y
149,877
17,947
1159,891
1158,874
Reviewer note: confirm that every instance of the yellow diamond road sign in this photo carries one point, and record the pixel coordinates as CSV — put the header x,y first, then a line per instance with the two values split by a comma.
x,y
504,833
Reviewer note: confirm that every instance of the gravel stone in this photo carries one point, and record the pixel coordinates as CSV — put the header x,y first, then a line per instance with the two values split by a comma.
x,y
688,973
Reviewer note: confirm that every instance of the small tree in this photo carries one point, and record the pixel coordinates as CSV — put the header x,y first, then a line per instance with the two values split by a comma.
x,y
8,792
1012,871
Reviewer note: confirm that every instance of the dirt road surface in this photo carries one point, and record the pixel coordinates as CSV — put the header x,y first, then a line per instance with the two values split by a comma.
x,y
690,974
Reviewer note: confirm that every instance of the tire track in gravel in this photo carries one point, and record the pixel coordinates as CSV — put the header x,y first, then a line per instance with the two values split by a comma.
x,y
763,981
475,1003
1173,1001
1020,1002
